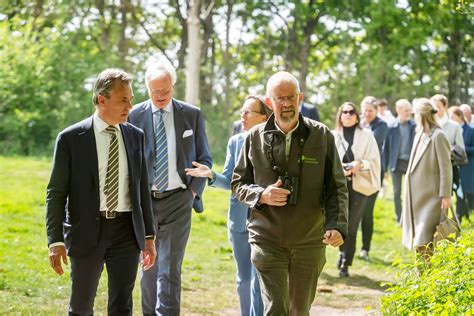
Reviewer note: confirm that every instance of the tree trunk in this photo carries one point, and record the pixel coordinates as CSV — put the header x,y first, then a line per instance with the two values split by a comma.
x,y
227,61
193,66
207,52
123,42
455,51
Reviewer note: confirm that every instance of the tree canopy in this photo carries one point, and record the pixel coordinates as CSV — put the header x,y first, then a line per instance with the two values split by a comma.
x,y
50,52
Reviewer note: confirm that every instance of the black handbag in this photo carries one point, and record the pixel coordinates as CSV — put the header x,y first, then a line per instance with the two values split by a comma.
x,y
458,156
448,228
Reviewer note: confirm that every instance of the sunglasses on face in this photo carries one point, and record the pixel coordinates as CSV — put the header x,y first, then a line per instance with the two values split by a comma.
x,y
350,112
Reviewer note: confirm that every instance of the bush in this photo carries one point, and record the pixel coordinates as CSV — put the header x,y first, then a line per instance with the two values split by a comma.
x,y
443,287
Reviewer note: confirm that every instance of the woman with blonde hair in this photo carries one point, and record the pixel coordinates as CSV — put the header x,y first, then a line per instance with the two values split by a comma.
x,y
428,180
360,157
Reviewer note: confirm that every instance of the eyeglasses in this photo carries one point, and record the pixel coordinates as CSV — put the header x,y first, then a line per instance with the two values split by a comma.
x,y
288,98
350,112
247,112
161,92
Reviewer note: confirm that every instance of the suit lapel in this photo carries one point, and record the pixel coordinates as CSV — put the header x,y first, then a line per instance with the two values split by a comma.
x,y
90,148
422,147
127,141
397,140
148,127
179,119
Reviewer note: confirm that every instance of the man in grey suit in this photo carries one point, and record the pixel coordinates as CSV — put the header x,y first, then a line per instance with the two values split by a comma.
x,y
175,137
98,204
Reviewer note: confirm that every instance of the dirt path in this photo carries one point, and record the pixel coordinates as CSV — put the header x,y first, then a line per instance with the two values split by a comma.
x,y
339,301
355,296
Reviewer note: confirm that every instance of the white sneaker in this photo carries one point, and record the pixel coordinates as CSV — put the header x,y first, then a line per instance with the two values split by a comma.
x,y
364,254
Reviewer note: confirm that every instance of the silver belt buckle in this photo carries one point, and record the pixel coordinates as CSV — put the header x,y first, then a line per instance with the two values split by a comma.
x,y
110,214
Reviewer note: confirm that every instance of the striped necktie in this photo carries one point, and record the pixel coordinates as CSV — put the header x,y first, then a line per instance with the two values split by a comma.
x,y
161,158
112,178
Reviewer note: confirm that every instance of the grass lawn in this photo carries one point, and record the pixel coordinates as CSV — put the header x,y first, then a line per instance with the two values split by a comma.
x,y
29,286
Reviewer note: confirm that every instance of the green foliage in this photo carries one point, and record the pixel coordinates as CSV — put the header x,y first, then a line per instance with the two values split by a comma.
x,y
43,83
444,286
340,51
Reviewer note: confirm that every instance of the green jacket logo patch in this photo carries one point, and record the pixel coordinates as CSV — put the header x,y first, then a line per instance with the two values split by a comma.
x,y
309,160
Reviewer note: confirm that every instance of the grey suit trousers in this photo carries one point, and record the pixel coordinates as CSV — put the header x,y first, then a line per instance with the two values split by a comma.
x,y
161,285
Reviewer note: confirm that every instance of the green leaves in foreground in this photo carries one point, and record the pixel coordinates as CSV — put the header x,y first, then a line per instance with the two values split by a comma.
x,y
444,287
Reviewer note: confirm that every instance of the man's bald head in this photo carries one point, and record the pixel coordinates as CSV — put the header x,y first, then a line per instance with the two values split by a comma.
x,y
467,111
281,77
403,108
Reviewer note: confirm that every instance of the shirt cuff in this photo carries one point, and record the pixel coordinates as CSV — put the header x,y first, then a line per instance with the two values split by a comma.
x,y
211,181
150,237
54,244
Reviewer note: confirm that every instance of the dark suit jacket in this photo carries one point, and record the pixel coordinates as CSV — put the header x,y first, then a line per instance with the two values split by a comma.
x,y
309,111
380,130
191,148
467,171
391,148
72,199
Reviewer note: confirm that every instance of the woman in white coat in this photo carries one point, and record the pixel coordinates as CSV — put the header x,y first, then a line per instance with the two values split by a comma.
x,y
360,158
428,180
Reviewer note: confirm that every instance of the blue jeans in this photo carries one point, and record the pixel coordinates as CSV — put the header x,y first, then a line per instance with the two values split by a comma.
x,y
397,176
248,287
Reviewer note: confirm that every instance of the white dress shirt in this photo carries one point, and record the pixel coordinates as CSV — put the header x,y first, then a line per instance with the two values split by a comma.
x,y
388,118
174,180
452,130
102,141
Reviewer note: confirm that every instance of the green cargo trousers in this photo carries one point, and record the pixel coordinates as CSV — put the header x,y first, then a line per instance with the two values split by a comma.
x,y
288,277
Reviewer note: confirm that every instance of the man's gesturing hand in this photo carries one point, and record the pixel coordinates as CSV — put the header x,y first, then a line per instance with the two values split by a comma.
x,y
333,237
274,195
56,254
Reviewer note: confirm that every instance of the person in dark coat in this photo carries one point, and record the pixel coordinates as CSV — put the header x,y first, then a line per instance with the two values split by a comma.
x,y
465,202
397,149
378,126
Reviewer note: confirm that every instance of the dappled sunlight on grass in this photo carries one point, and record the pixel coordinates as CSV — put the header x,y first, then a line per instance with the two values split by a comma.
x,y
29,286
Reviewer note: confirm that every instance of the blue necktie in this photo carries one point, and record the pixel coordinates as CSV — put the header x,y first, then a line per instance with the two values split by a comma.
x,y
161,158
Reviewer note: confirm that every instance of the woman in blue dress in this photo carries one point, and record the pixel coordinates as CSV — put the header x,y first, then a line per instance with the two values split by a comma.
x,y
253,112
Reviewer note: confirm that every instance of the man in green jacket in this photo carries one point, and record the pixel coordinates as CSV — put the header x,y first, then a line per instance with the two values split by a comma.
x,y
290,175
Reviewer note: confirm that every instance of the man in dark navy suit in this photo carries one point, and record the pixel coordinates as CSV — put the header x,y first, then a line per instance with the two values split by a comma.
x,y
397,149
98,205
175,137
309,111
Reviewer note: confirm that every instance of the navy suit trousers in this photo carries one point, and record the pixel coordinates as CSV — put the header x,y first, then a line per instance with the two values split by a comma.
x,y
118,250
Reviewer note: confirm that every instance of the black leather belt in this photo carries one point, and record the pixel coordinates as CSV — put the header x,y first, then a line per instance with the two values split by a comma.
x,y
112,214
161,195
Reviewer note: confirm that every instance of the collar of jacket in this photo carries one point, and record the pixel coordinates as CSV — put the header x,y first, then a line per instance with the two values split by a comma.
x,y
302,131
410,122
376,122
